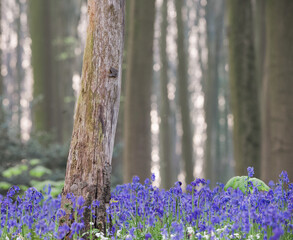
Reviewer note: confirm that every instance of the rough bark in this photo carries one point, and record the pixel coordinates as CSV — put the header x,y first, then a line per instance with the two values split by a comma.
x,y
88,169
183,96
137,138
165,111
277,134
244,88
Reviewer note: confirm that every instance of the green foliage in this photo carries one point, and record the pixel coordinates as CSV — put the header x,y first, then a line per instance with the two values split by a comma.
x,y
39,171
56,186
5,185
241,182
14,171
34,161
25,163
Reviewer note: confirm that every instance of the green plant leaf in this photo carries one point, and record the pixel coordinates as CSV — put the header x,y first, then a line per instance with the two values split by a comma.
x,y
39,171
56,186
241,183
34,161
14,171
5,185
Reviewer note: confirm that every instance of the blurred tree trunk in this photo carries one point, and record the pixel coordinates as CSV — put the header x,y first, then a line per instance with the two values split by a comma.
x,y
183,96
137,132
2,118
165,112
277,134
244,88
53,27
215,23
259,13
88,170
19,68
117,159
43,90
65,16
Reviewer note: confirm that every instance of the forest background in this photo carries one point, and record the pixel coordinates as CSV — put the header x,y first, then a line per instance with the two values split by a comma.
x,y
207,90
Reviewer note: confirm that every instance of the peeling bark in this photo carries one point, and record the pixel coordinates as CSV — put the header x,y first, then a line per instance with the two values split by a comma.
x,y
88,170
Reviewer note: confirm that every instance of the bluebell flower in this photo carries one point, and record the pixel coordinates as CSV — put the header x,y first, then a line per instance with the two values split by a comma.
x,y
148,236
250,171
153,177
135,179
80,201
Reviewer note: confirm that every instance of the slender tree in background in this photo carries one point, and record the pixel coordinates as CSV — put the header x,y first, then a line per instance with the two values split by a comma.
x,y
53,28
244,88
39,18
137,140
277,134
165,111
2,119
215,23
259,10
64,16
88,170
19,68
183,96
117,159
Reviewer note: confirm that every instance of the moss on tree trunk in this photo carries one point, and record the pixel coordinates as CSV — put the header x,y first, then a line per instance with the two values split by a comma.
x,y
88,169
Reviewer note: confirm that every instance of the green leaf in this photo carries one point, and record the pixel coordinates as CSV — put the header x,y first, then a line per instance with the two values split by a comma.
x,y
34,161
56,186
14,171
5,185
241,183
39,171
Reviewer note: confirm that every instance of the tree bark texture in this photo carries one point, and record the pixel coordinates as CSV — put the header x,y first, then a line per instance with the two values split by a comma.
x,y
277,134
183,96
88,169
137,134
165,111
244,88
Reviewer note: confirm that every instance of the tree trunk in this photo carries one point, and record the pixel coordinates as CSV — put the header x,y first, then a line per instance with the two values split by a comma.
x,y
89,162
165,112
277,134
2,119
215,22
19,68
244,88
183,96
53,27
39,18
259,7
64,21
137,135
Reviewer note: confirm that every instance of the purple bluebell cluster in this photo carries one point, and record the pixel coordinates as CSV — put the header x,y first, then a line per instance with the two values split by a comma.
x,y
142,211
202,213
